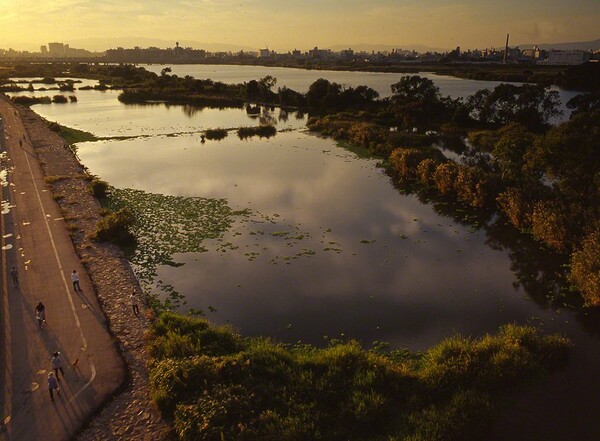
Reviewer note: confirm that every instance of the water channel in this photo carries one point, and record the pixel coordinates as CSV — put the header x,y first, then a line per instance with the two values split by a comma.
x,y
322,245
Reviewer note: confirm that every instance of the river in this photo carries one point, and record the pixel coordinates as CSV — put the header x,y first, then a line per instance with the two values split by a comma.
x,y
327,247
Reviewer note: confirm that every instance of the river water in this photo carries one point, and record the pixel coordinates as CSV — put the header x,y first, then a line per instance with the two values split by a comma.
x,y
330,248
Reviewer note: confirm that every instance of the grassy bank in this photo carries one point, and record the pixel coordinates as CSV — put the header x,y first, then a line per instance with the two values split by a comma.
x,y
214,384
72,136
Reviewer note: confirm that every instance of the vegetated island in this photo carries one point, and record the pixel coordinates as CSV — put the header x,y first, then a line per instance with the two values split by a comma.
x,y
213,383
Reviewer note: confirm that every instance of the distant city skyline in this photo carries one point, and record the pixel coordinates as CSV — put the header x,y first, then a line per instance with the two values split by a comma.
x,y
283,25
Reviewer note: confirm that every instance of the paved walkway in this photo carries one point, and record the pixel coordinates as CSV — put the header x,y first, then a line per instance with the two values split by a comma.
x,y
35,240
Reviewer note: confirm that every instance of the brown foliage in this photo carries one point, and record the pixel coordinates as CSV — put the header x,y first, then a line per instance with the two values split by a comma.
x,y
444,177
405,162
425,171
516,206
471,186
550,225
585,268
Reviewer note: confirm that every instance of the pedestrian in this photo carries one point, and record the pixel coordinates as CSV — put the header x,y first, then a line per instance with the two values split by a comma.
x,y
53,385
40,313
15,276
75,279
134,303
57,365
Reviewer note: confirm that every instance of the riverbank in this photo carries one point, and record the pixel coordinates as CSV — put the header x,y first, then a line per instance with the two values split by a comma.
x,y
131,414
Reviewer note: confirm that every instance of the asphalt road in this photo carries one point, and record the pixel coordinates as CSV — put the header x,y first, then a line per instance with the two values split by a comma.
x,y
35,240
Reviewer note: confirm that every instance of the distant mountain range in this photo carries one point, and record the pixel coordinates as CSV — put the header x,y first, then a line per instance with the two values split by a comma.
x,y
582,45
101,44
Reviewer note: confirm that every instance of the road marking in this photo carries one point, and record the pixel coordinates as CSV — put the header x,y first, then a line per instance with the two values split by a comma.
x,y
7,389
65,284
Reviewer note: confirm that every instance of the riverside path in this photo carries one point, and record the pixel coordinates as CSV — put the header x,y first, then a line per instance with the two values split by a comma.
x,y
36,242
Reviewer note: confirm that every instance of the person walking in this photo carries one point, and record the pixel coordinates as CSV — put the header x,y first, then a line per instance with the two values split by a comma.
x,y
75,280
134,303
57,365
14,274
53,385
40,313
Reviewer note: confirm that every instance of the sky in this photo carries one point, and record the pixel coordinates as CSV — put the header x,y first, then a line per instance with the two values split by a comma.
x,y
283,25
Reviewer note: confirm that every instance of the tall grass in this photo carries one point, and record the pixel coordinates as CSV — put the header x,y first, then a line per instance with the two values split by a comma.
x,y
214,384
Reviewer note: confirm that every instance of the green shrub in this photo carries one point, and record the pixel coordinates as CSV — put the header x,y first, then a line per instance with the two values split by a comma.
x,y
215,387
466,417
98,188
114,227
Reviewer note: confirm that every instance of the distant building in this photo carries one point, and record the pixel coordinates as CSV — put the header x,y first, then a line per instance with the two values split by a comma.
x,y
319,53
570,57
43,49
56,49
264,53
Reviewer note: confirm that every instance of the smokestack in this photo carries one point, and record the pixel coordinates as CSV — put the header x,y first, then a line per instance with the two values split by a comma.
x,y
506,50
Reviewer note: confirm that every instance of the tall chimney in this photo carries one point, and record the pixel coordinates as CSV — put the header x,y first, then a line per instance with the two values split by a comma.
x,y
506,50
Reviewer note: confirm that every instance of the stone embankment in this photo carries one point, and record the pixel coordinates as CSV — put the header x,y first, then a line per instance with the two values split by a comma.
x,y
131,414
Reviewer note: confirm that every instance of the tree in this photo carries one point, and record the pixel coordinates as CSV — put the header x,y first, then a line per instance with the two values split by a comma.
x,y
413,88
417,102
570,155
510,153
530,105
584,103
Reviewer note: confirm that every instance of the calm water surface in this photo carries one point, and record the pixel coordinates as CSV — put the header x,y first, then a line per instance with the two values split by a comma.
x,y
344,253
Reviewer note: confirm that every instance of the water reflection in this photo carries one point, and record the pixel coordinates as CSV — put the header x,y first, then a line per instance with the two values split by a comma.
x,y
342,252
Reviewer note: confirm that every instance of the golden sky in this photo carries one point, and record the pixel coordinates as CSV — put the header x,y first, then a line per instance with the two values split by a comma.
x,y
283,24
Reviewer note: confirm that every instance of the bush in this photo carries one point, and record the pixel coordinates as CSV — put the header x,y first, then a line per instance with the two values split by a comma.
x,y
215,134
405,162
114,227
444,177
366,134
228,387
260,131
98,188
516,206
471,186
31,100
585,267
549,224
426,170
61,99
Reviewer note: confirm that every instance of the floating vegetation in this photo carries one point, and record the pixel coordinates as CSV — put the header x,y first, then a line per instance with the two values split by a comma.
x,y
166,225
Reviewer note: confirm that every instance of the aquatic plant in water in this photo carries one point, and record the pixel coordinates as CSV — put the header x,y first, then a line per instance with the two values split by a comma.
x,y
165,225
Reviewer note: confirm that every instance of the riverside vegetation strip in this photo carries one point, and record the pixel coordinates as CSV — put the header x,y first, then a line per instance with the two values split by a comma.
x,y
213,384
